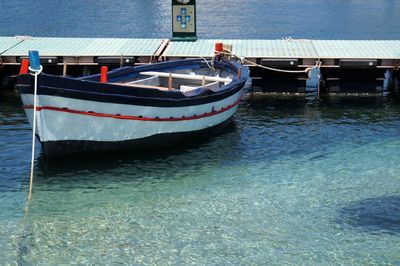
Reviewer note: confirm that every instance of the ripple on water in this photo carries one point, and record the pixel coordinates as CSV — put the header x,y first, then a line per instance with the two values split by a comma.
x,y
286,184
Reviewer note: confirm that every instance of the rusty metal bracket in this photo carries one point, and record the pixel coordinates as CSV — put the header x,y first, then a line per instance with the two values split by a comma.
x,y
397,65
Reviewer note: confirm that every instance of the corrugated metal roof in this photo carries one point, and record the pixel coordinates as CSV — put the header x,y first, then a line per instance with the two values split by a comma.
x,y
87,47
287,48
291,48
8,42
203,48
378,49
247,48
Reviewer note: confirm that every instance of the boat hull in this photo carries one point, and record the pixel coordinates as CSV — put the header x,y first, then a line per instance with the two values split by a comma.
x,y
86,126
52,150
72,121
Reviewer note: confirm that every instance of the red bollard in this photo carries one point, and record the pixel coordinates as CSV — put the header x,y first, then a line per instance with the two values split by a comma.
x,y
219,47
24,67
103,74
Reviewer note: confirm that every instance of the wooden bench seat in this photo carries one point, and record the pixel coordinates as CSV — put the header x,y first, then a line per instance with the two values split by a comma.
x,y
143,86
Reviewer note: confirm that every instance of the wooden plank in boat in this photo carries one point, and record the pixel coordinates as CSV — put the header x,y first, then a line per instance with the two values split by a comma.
x,y
185,76
143,86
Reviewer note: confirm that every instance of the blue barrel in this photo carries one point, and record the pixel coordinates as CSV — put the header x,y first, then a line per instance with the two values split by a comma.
x,y
34,60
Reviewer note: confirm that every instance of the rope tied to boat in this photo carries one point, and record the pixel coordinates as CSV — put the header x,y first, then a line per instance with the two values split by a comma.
x,y
396,65
34,69
244,60
209,66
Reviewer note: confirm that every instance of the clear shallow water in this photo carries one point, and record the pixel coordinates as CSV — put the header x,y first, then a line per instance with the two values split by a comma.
x,y
288,184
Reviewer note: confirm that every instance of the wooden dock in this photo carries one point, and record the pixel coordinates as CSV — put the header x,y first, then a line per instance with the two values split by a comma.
x,y
341,61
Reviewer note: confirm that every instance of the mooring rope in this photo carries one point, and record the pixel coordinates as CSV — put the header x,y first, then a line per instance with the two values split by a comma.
x,y
396,65
209,66
35,73
308,69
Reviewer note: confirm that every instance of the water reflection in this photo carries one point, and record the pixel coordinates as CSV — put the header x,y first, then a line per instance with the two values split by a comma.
x,y
227,19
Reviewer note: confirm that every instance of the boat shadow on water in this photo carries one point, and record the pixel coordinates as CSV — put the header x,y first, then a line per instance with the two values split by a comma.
x,y
379,215
183,154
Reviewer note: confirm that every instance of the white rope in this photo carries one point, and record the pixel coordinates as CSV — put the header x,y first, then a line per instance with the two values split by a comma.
x,y
396,65
308,69
35,73
210,67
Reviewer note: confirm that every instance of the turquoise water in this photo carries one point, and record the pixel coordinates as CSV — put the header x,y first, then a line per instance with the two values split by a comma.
x,y
286,184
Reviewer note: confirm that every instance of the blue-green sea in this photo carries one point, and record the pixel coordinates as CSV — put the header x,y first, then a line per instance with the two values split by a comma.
x,y
285,184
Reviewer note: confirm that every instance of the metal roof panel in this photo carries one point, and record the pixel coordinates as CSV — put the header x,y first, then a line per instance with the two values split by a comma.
x,y
361,49
7,43
87,47
286,48
291,48
245,48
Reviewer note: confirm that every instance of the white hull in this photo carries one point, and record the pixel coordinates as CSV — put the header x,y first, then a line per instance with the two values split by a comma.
x,y
97,121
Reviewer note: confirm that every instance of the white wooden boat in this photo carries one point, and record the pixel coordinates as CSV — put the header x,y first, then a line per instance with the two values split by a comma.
x,y
138,108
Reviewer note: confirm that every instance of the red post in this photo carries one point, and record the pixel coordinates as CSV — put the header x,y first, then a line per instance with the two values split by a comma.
x,y
219,47
103,74
24,67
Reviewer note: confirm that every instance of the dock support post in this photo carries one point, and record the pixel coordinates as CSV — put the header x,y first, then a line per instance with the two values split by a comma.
x,y
65,66
387,82
85,71
313,85
396,81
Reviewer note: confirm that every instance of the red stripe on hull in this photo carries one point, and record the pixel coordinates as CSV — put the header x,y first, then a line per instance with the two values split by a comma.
x,y
128,117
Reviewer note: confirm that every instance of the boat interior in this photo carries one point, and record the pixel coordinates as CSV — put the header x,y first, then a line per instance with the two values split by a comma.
x,y
189,82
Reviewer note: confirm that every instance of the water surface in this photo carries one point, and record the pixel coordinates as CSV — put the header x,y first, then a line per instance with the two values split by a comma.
x,y
286,184
270,19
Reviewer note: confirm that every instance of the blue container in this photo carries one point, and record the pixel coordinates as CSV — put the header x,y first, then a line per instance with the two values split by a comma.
x,y
34,60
